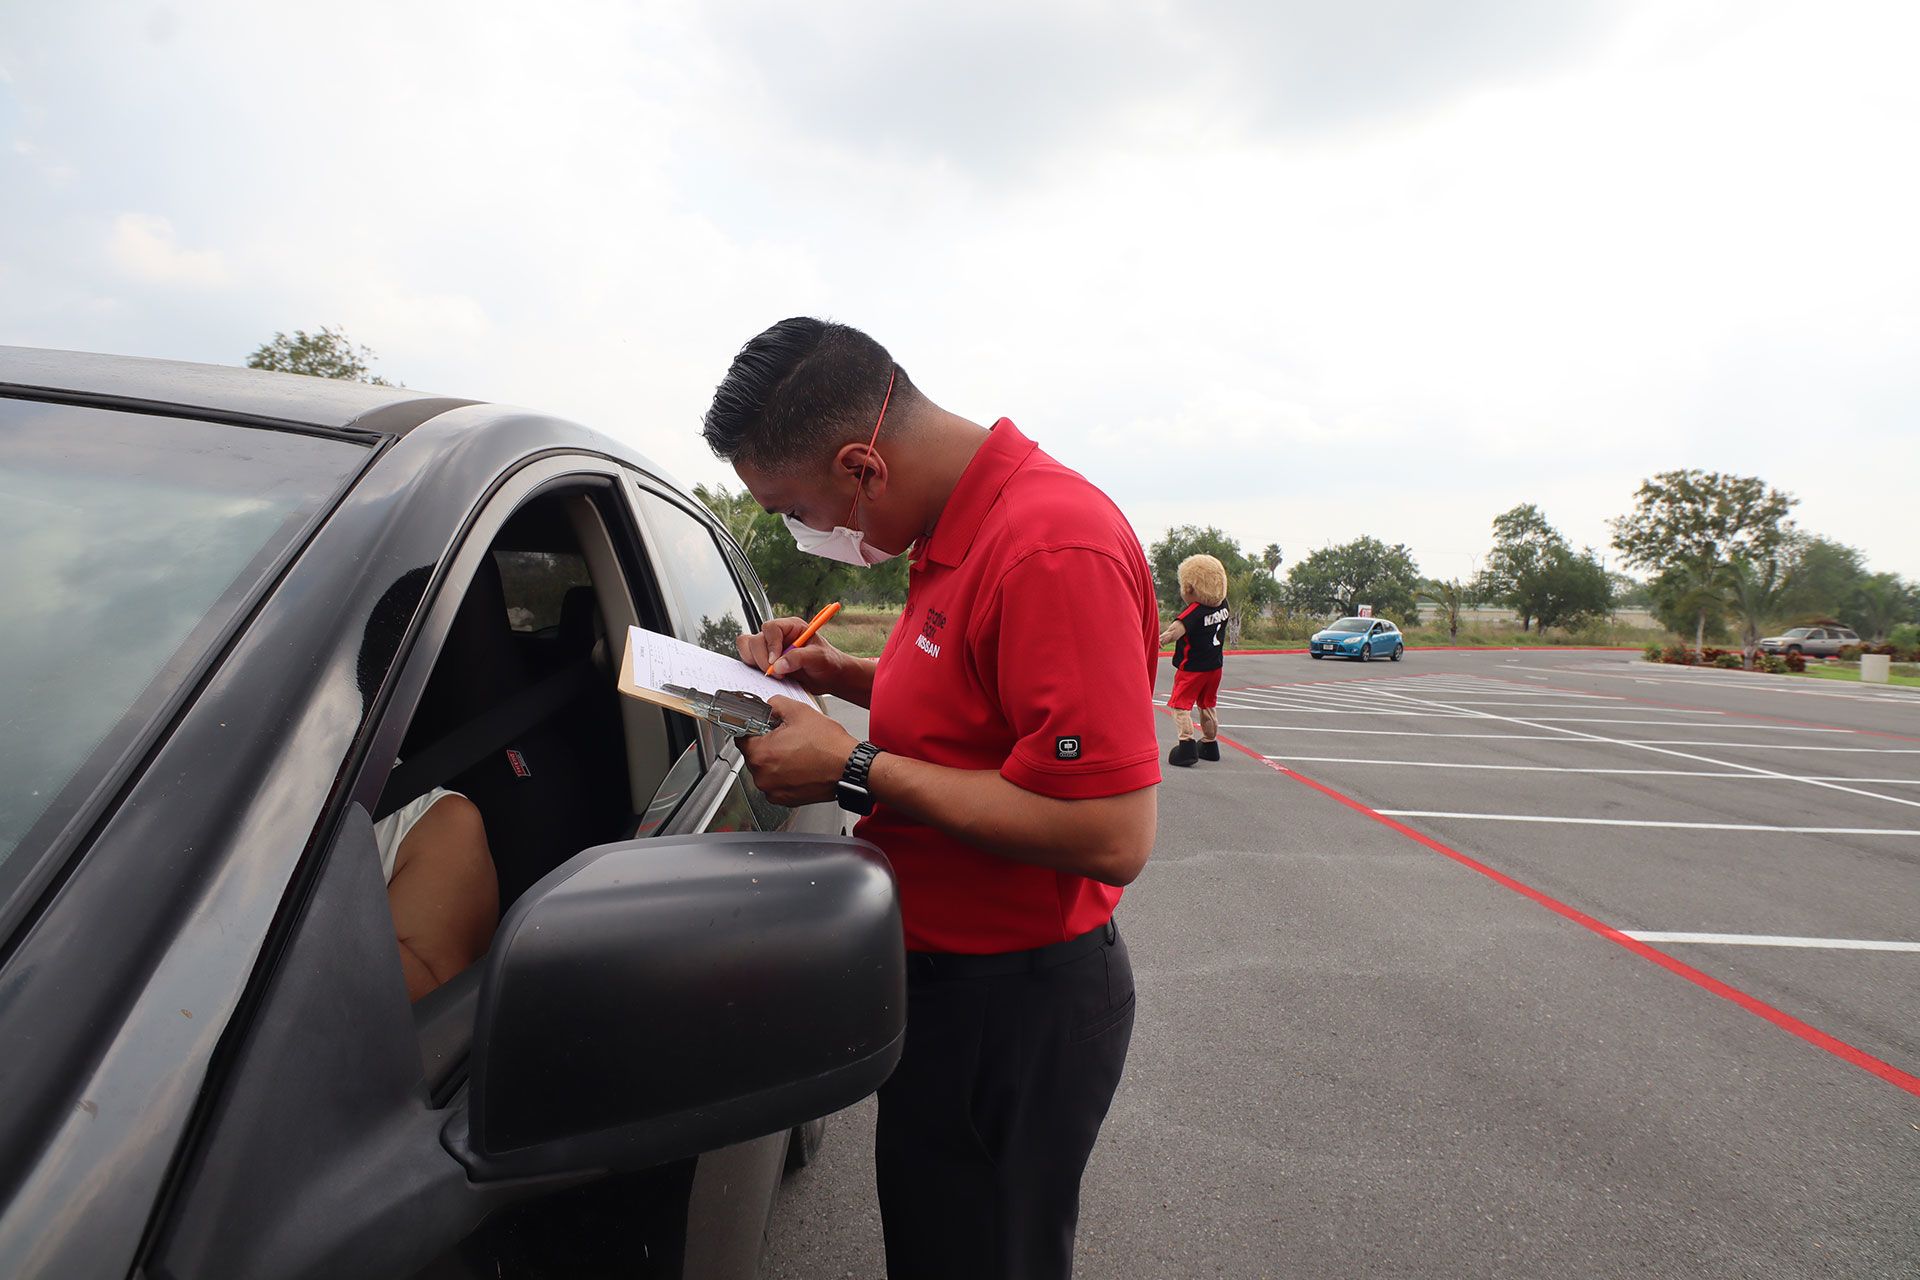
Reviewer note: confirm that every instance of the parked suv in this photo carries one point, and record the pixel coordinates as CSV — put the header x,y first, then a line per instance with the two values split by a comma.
x,y
1815,642
249,614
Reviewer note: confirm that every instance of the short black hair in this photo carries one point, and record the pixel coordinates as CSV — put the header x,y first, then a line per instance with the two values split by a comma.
x,y
800,390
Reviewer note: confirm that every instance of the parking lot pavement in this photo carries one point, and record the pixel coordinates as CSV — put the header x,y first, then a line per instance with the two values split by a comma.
x,y
1394,1022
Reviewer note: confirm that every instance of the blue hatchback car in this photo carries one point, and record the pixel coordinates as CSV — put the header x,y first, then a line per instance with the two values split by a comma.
x,y
1362,638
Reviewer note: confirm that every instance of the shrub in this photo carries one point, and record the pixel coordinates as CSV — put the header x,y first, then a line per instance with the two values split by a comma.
x,y
1730,661
1653,653
1774,664
1796,662
1676,654
1851,652
1905,637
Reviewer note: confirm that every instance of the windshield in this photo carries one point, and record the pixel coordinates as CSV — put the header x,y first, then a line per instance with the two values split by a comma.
x,y
1350,624
131,541
1798,633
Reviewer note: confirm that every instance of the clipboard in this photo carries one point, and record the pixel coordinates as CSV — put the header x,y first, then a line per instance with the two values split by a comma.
x,y
696,682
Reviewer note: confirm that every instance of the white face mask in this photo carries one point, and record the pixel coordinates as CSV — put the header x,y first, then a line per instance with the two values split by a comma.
x,y
848,546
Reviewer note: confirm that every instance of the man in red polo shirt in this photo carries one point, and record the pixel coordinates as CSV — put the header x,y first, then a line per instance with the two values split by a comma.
x,y
1010,777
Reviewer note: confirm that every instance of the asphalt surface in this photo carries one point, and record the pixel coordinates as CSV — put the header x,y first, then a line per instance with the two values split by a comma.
x,y
1419,1045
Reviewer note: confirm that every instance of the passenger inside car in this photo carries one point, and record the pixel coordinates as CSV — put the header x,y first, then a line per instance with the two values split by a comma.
x,y
441,886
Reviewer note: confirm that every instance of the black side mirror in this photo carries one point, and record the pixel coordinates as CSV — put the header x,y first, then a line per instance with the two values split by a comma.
x,y
651,1000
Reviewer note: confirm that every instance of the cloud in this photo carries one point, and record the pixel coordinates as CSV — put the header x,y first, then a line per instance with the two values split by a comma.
x,y
1005,87
143,247
1393,267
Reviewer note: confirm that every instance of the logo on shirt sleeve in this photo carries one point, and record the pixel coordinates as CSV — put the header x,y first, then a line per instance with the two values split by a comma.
x,y
1067,748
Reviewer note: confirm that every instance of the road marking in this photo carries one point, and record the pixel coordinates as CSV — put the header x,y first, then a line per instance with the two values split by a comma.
x,y
1649,745
1651,822
1759,1008
1527,768
1770,940
1395,733
1673,724
1809,687
1750,746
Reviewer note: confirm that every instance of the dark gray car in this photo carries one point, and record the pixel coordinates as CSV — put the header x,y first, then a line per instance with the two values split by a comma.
x,y
249,614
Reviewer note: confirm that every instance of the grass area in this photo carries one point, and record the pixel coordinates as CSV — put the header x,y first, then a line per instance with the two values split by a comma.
x,y
861,632
864,632
1905,673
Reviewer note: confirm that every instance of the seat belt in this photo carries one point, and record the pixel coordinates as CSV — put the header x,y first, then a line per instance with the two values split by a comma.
x,y
458,751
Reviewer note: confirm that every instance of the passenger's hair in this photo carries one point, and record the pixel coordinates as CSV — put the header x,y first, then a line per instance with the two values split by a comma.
x,y
1207,578
799,391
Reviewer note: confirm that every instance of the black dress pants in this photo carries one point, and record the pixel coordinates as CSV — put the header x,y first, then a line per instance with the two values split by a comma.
x,y
986,1125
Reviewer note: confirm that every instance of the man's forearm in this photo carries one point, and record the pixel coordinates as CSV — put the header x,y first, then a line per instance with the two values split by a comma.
x,y
1107,839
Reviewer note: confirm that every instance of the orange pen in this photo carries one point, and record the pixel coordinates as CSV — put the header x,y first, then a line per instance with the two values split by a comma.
x,y
820,620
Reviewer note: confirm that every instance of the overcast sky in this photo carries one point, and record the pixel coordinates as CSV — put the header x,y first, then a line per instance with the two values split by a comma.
x,y
1303,270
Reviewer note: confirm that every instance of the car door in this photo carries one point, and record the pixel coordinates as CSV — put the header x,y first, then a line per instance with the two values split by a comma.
x,y
323,1139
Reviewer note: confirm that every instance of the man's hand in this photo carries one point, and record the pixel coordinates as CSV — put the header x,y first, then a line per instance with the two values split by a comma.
x,y
816,665
801,761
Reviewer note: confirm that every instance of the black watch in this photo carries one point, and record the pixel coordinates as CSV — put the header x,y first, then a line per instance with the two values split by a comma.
x,y
851,791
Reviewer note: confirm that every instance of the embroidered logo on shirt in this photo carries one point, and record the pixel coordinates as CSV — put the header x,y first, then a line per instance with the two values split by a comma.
x,y
1066,748
925,641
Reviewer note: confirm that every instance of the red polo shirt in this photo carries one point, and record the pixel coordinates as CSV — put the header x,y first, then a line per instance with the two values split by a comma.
x,y
1029,645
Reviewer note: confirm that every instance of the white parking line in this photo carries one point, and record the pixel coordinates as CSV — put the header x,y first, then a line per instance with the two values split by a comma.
x,y
1526,768
1663,749
1753,746
1679,724
1395,733
1649,822
1808,688
1769,940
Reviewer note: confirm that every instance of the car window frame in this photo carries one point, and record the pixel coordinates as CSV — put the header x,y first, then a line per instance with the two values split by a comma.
x,y
392,712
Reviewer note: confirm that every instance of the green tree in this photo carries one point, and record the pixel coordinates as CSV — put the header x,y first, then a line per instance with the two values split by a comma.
x,y
1701,521
1881,602
1190,540
1452,597
1337,580
1682,598
327,354
1629,592
1825,576
1270,558
1570,588
1754,587
1527,555
794,580
738,513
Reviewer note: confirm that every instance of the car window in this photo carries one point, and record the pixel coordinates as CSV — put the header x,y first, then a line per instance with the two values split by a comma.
x,y
1353,626
746,808
713,612
536,583
680,780
132,542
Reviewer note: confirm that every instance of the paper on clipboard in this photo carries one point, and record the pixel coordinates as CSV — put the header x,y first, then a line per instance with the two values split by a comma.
x,y
654,661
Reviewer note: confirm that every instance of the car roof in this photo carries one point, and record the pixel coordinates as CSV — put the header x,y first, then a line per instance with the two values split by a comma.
x,y
219,391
